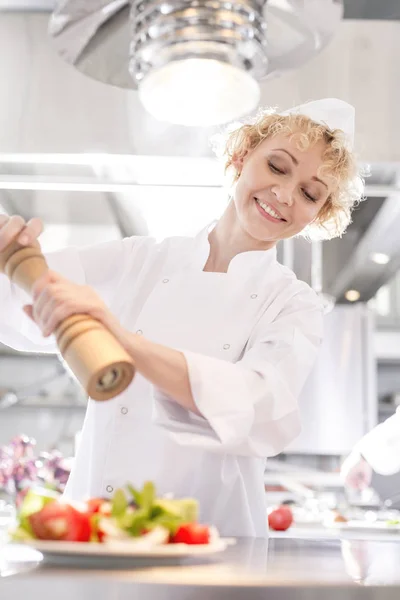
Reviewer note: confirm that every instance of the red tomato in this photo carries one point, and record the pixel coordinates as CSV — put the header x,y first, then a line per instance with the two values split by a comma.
x,y
192,533
58,521
98,505
93,505
97,533
280,518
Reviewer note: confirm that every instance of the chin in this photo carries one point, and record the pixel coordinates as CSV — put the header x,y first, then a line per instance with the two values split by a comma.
x,y
261,233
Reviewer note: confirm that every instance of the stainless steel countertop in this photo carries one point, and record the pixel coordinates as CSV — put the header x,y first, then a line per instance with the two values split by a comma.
x,y
280,569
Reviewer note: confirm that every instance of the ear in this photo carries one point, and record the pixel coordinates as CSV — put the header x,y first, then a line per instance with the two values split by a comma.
x,y
237,162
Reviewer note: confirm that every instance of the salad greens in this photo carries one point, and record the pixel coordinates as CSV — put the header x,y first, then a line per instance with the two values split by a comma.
x,y
44,514
146,511
33,502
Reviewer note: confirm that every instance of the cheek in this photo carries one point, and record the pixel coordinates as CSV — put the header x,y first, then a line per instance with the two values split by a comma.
x,y
240,192
307,212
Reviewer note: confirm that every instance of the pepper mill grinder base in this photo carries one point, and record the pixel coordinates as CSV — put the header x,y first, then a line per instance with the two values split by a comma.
x,y
101,377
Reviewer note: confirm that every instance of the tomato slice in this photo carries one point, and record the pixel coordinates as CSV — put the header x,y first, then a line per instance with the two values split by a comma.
x,y
98,505
58,521
191,533
93,505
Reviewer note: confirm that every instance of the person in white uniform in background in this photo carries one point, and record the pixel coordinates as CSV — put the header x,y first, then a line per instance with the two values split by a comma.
x,y
378,450
223,336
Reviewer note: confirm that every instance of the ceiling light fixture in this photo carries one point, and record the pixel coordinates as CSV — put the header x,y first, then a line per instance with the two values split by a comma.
x,y
193,62
198,63
380,258
352,295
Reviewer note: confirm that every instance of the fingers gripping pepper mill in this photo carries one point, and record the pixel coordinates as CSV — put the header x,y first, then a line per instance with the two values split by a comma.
x,y
96,358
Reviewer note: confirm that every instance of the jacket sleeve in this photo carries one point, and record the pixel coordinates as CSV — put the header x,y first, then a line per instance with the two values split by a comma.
x,y
381,446
250,408
101,266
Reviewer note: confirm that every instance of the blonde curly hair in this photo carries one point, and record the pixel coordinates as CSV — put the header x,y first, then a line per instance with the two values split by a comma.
x,y
339,162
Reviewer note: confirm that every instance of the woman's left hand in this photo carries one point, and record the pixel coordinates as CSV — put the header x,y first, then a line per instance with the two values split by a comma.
x,y
55,299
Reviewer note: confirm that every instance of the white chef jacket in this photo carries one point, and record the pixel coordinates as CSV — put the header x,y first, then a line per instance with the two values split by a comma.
x,y
381,446
250,337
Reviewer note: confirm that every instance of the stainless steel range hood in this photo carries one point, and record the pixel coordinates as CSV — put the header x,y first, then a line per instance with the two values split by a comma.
x,y
117,41
362,271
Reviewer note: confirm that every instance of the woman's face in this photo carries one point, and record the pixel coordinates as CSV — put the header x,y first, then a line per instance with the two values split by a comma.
x,y
278,192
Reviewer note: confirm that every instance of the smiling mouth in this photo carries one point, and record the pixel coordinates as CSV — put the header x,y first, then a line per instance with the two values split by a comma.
x,y
269,210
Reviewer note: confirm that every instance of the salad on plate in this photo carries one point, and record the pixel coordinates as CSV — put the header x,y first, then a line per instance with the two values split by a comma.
x,y
131,517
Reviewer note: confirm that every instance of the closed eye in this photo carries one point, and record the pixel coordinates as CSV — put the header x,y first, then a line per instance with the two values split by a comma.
x,y
308,196
275,169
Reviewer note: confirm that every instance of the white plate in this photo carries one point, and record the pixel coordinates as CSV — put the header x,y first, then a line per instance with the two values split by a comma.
x,y
373,526
122,554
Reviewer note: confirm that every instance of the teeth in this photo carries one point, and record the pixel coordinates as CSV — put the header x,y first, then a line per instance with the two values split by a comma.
x,y
268,209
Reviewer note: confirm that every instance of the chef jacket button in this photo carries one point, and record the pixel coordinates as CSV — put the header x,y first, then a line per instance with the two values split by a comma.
x,y
165,280
253,296
109,489
227,346
139,332
124,410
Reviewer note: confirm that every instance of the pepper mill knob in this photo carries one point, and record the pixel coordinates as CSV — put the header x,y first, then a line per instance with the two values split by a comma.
x,y
97,359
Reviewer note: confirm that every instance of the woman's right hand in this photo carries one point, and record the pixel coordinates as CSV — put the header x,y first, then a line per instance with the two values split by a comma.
x,y
16,228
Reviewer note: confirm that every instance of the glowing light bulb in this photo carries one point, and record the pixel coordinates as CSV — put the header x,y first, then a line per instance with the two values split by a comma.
x,y
352,295
199,92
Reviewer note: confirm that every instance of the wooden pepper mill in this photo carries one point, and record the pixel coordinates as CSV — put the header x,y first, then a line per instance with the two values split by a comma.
x,y
96,358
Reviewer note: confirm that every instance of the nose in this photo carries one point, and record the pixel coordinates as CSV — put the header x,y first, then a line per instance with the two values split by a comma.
x,y
283,194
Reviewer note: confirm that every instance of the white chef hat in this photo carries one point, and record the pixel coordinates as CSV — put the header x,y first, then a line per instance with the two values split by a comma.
x,y
332,112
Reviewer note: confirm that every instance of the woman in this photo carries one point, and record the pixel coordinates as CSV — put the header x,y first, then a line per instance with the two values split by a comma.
x,y
222,335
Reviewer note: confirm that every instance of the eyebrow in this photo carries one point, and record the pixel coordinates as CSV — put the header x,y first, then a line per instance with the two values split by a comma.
x,y
296,162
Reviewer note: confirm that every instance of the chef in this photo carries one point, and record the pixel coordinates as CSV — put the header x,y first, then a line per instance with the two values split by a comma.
x,y
222,335
378,451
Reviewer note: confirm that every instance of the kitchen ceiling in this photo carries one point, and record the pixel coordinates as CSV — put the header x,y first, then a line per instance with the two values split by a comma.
x,y
48,109
371,9
353,9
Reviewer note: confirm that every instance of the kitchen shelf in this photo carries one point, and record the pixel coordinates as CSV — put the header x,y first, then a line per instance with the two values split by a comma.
x,y
7,351
38,406
312,478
